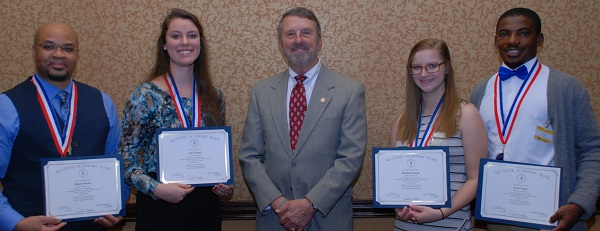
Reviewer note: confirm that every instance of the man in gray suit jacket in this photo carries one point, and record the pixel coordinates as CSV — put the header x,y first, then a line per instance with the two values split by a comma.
x,y
301,180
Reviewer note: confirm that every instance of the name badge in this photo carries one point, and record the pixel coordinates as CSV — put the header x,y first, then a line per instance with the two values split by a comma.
x,y
543,134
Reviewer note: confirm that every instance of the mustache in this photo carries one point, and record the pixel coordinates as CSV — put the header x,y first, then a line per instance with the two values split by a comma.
x,y
301,45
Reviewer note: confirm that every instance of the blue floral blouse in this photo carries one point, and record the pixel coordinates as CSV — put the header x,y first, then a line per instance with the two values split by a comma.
x,y
147,109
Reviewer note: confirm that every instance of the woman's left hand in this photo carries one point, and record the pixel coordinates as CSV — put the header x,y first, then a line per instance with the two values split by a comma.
x,y
223,190
108,221
424,214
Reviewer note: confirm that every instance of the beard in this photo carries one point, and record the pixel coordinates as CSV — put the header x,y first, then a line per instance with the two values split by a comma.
x,y
59,78
299,59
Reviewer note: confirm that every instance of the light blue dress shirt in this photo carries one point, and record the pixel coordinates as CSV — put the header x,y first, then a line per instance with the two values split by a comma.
x,y
9,128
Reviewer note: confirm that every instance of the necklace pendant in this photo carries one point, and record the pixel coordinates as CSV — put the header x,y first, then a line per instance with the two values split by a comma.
x,y
500,156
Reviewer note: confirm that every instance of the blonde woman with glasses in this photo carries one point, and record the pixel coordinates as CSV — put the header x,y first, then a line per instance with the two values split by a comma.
x,y
432,106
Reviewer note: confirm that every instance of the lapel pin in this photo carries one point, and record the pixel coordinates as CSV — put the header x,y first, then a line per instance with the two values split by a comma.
x,y
323,100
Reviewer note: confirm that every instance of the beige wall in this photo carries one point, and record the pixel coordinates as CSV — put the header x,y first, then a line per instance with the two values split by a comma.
x,y
365,39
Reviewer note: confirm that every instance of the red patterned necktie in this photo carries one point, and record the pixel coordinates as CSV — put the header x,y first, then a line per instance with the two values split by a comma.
x,y
297,109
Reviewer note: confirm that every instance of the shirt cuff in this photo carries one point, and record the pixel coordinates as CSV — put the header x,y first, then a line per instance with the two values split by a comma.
x,y
153,183
9,219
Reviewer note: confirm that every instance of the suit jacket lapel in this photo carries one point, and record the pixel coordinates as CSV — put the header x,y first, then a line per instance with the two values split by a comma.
x,y
277,103
321,96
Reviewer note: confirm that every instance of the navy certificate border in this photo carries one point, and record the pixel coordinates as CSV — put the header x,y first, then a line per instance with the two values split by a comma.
x,y
124,187
227,129
375,151
477,214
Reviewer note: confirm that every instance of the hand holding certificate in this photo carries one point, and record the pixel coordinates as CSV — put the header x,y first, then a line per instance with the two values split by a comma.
x,y
195,156
517,194
405,176
83,188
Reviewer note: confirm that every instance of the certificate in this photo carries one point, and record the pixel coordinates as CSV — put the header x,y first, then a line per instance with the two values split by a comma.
x,y
517,194
411,176
83,188
195,156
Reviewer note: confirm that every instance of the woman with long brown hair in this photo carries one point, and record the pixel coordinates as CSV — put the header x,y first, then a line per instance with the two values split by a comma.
x,y
178,93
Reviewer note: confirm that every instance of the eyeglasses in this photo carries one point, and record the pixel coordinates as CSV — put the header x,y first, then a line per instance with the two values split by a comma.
x,y
430,68
52,47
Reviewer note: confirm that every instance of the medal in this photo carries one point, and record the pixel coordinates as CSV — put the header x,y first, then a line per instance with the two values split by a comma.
x,y
502,121
61,137
430,128
500,155
196,110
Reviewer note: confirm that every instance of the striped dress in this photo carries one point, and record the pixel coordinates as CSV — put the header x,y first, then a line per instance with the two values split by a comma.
x,y
461,219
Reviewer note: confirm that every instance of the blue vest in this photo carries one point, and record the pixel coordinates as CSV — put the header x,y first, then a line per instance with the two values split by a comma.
x,y
23,180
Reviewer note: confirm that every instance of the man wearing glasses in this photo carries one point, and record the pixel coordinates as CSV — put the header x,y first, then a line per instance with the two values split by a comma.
x,y
549,117
34,118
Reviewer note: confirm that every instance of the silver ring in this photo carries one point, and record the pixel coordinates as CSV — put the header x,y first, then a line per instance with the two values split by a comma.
x,y
292,229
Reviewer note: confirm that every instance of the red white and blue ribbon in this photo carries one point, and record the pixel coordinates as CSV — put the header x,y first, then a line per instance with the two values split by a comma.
x,y
62,138
504,124
429,131
196,109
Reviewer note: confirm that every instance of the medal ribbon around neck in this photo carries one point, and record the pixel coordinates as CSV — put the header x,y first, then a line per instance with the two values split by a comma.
x,y
504,134
430,128
62,138
196,109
